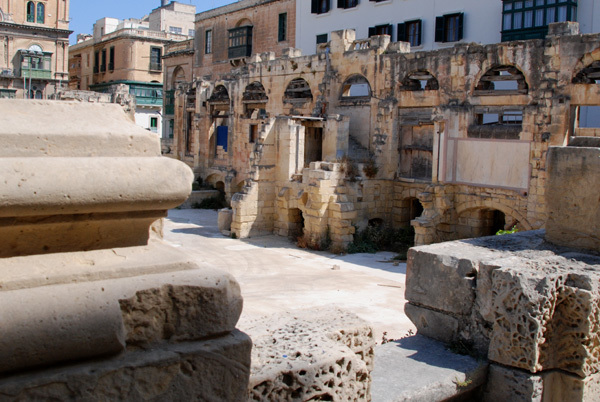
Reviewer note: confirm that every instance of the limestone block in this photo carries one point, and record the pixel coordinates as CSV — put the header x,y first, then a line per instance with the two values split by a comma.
x,y
572,172
324,354
224,219
71,129
444,282
505,383
72,317
208,370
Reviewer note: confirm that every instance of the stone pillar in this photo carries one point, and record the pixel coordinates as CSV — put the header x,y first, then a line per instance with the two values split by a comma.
x,y
93,307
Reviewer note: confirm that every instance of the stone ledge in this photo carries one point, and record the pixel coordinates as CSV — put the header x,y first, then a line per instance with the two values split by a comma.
x,y
209,370
421,369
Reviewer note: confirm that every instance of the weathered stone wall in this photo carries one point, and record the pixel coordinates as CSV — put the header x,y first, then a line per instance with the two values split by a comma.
x,y
464,131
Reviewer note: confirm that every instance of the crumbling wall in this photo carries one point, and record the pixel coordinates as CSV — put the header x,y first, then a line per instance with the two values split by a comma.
x,y
469,126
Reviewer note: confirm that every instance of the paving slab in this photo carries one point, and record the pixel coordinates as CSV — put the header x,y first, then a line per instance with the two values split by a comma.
x,y
420,369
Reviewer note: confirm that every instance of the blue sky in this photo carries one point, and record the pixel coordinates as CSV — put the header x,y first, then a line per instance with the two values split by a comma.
x,y
85,12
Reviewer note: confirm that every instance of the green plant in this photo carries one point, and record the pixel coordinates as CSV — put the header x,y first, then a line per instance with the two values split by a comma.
x,y
370,169
510,231
349,168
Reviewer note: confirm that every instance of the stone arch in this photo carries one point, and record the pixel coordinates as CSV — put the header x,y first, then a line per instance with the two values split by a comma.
x,y
491,205
215,178
409,209
502,79
419,80
244,22
178,77
298,90
356,86
590,61
255,92
219,94
589,74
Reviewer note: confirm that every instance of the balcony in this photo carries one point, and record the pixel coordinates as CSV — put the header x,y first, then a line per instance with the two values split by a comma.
x,y
240,42
169,107
36,74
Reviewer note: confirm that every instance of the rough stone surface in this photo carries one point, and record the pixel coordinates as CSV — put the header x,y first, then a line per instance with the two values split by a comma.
x,y
574,218
322,354
506,384
208,370
224,219
533,305
418,368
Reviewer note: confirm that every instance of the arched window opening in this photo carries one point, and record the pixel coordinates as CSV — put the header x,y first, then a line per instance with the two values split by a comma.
x,y
298,90
219,95
502,80
421,80
355,87
40,13
588,75
30,11
255,100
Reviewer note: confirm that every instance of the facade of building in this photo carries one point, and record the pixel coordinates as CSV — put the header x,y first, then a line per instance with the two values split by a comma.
x,y
34,46
451,141
430,24
226,38
129,52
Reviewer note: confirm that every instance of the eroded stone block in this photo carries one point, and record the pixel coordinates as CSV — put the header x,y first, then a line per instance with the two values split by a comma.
x,y
322,354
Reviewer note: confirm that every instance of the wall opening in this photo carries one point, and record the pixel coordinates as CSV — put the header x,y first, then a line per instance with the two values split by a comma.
x,y
421,80
313,145
356,87
298,91
296,223
416,151
482,222
502,80
255,101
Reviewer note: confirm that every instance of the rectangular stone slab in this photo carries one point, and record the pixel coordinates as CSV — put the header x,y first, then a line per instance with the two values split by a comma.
x,y
209,370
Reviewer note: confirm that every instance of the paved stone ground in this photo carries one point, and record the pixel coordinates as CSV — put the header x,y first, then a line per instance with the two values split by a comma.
x,y
275,275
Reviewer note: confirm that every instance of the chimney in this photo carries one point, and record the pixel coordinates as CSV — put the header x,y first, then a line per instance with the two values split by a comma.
x,y
164,3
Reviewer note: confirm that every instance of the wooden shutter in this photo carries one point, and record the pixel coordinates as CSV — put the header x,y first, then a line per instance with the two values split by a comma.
x,y
341,3
401,33
461,23
314,7
439,29
371,31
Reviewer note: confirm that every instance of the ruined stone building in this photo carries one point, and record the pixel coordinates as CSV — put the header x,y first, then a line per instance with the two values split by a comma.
x,y
430,24
34,45
130,52
225,38
452,142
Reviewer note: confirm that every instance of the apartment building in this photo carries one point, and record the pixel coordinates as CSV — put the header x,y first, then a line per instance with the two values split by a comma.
x,y
34,45
130,52
431,24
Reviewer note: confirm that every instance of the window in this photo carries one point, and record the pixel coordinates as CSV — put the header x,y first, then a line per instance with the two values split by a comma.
x,y
103,65
347,3
175,30
40,13
320,6
529,19
253,133
155,59
282,31
154,124
240,42
171,128
449,28
191,32
31,11
7,93
497,123
322,38
111,58
208,42
410,31
96,62
381,30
